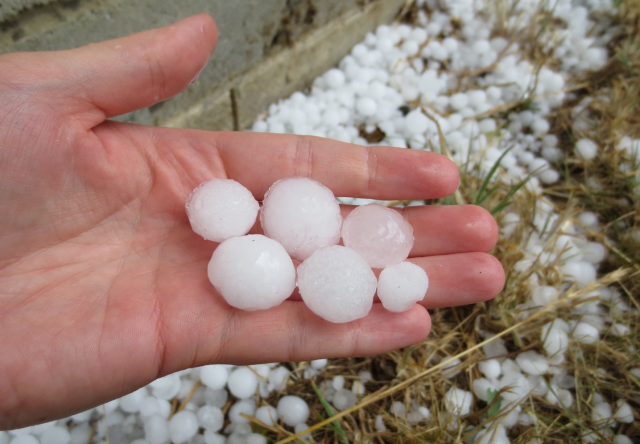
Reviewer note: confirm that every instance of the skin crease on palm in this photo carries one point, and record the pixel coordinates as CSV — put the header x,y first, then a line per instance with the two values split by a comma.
x,y
103,284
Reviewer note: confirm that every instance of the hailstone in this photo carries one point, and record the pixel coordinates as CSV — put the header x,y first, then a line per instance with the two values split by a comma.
x,y
400,286
301,214
337,284
379,234
252,272
220,209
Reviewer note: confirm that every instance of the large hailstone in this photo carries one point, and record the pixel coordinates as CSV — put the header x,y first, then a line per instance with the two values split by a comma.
x,y
379,234
400,286
252,272
337,284
220,209
302,215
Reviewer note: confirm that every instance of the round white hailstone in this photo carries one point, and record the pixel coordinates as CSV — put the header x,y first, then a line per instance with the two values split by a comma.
x,y
293,410
588,219
416,123
318,364
252,272
581,272
338,382
38,430
621,439
25,439
267,414
242,383
220,209
477,98
55,435
166,387
544,295
82,416
549,176
586,333
586,149
366,106
398,408
255,438
400,286
459,101
495,349
532,363
210,417
481,47
334,78
337,284
80,434
593,252
487,125
379,424
132,402
419,35
301,214
214,376
619,330
344,399
601,412
149,407
182,426
537,165
458,401
540,126
244,406
156,430
379,234
301,428
278,377
623,412
410,48
358,388
490,368
481,388
260,126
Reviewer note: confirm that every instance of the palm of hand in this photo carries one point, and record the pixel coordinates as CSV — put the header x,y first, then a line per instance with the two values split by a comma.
x,y
102,282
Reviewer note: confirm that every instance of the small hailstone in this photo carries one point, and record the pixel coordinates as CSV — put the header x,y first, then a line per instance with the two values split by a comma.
x,y
593,252
532,363
543,295
334,78
586,149
244,406
183,426
601,412
278,377
38,430
458,401
416,123
398,408
132,402
459,101
267,414
214,376
490,368
255,438
301,214
400,286
481,388
216,398
252,272
301,428
293,410
619,330
379,234
78,435
337,284
166,387
623,412
55,435
586,333
358,388
318,363
366,106
156,430
210,417
338,382
242,383
344,399
379,424
621,439
220,209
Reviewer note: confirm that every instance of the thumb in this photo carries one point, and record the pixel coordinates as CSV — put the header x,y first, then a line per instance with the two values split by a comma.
x,y
125,74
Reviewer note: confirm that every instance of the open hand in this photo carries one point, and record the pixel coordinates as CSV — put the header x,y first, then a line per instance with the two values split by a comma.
x,y
103,284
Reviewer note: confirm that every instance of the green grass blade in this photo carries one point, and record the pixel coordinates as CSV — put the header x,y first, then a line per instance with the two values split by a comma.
x,y
494,403
480,195
506,201
335,425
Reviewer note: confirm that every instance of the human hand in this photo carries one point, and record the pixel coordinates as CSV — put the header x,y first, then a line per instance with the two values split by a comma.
x,y
103,284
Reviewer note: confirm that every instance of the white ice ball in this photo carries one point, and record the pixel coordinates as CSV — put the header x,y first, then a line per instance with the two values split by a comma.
x,y
267,414
214,376
301,214
337,284
242,383
379,234
490,368
25,439
55,435
334,78
293,410
252,272
532,363
458,401
182,426
244,406
132,402
400,286
156,430
366,106
220,209
586,149
210,417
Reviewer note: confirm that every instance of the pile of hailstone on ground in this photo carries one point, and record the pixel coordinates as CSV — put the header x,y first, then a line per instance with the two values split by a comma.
x,y
484,83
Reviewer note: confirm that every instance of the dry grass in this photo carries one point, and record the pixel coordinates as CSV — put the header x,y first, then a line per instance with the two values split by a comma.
x,y
416,374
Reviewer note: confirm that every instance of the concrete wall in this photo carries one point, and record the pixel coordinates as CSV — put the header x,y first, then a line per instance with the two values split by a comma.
x,y
267,49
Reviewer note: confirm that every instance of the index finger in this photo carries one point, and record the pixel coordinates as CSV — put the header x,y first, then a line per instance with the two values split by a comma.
x,y
257,160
